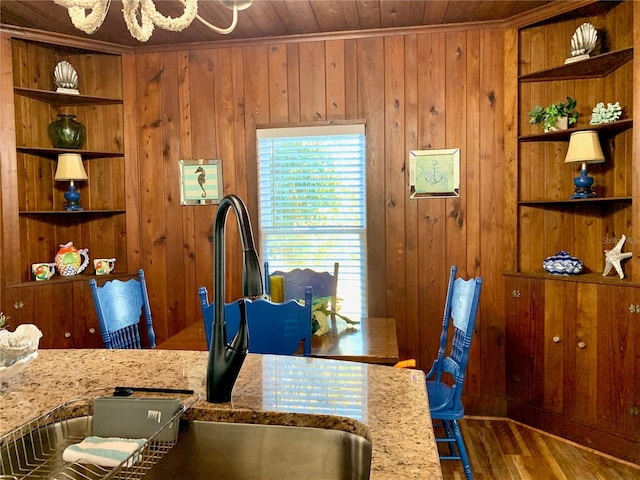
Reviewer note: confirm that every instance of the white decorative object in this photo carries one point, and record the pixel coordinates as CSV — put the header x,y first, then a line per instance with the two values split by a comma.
x,y
323,323
608,114
614,256
583,42
17,350
65,78
141,16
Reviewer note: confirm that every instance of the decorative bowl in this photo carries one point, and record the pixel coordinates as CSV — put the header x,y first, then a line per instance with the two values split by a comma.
x,y
562,264
17,350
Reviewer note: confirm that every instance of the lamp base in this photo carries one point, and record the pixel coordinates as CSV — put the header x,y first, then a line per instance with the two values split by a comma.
x,y
583,195
583,184
71,207
72,196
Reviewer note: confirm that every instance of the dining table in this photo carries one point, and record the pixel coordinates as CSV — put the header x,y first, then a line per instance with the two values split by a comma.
x,y
372,340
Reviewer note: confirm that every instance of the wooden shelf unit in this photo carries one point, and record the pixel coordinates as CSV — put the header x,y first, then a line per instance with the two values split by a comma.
x,y
63,307
570,360
544,181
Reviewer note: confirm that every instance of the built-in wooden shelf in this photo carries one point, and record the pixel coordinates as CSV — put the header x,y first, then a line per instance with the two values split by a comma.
x,y
56,98
54,152
590,277
612,128
71,212
85,276
571,202
594,67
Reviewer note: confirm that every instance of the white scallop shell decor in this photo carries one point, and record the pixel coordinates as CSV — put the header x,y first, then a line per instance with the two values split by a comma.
x,y
584,40
65,78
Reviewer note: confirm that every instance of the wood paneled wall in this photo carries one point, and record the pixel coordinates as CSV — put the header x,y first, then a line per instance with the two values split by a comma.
x,y
419,90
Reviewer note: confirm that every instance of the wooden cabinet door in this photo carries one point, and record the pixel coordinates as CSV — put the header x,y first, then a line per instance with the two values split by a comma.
x,y
581,355
553,342
539,314
87,330
523,309
618,360
49,307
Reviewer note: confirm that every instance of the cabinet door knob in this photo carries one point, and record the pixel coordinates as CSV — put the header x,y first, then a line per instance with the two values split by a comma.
x,y
582,345
634,410
633,308
556,339
92,330
67,334
515,293
18,305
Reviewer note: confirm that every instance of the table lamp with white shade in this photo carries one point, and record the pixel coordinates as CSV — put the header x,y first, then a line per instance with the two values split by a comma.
x,y
584,148
70,169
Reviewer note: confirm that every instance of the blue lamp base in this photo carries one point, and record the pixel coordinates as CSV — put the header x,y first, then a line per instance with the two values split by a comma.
x,y
72,196
583,184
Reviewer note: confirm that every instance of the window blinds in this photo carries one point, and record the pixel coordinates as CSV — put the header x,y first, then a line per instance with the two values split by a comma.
x,y
312,204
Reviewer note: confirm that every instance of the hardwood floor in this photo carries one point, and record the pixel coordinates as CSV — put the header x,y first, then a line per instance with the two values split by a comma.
x,y
501,449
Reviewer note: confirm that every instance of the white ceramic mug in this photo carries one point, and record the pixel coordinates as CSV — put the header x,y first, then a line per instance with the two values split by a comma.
x,y
43,271
104,266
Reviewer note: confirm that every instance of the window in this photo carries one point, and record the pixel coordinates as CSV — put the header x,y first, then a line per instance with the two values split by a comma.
x,y
312,204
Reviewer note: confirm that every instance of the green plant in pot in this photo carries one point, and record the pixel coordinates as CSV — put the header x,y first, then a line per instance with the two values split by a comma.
x,y
550,115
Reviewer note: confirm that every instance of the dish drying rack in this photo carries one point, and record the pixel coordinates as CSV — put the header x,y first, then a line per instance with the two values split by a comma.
x,y
34,450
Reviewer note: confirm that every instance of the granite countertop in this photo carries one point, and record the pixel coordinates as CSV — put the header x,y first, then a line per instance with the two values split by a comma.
x,y
384,404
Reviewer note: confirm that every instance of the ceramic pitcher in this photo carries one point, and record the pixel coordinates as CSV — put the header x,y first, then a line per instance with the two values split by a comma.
x,y
70,260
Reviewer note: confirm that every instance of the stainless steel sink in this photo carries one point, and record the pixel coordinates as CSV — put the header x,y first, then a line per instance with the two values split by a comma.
x,y
204,450
239,451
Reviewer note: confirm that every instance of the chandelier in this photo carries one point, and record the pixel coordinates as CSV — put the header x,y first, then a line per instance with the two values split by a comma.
x,y
141,16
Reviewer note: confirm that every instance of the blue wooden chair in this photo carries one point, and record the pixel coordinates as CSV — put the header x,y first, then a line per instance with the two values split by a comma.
x,y
119,306
445,380
276,328
324,284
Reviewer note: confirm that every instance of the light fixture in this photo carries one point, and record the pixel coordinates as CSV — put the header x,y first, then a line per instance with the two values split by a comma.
x,y
70,168
146,11
584,147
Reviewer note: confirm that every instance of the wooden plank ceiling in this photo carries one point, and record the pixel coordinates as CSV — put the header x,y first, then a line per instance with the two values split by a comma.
x,y
268,18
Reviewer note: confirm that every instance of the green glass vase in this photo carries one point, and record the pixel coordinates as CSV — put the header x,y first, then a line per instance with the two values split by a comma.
x,y
67,132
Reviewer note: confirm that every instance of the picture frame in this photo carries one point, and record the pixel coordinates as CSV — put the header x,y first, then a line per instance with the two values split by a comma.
x,y
434,173
200,182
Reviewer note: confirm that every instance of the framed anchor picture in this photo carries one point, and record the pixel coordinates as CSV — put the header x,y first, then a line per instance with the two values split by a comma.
x,y
200,182
434,173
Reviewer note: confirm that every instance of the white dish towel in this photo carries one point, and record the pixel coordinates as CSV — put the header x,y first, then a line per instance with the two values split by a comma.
x,y
106,452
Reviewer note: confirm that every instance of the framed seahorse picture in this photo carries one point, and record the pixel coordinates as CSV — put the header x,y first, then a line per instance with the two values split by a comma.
x,y
434,173
200,182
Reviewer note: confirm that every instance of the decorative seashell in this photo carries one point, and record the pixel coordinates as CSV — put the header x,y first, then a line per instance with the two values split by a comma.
x,y
65,76
583,40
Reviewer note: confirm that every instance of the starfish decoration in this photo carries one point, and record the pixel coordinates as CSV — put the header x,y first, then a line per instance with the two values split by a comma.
x,y
614,256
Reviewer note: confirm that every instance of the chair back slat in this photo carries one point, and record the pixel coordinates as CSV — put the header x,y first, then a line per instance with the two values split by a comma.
x,y
126,338
276,328
450,366
462,303
324,284
121,303
120,306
